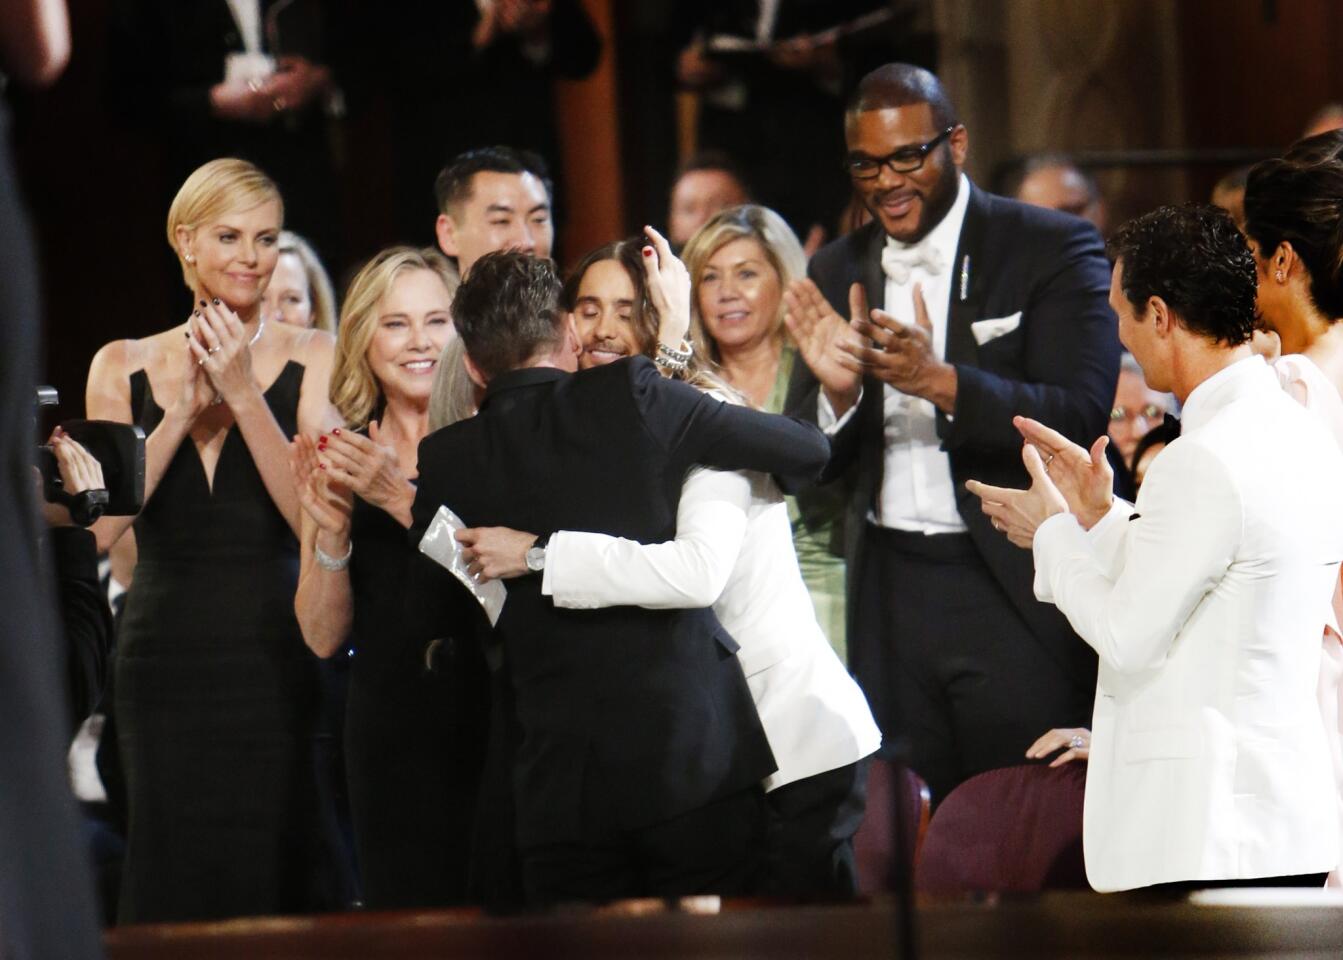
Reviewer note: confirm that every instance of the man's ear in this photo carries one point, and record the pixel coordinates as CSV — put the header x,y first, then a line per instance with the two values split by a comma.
x,y
474,372
446,232
960,145
575,341
1163,321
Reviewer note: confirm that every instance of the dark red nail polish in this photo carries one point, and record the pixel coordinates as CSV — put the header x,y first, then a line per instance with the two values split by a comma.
x,y
321,466
202,303
648,251
336,431
215,301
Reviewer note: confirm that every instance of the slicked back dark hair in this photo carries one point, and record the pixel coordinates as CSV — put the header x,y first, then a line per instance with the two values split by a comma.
x,y
507,311
1298,198
452,186
902,85
1195,259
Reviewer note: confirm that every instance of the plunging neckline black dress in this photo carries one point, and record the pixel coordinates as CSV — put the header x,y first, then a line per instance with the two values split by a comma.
x,y
215,693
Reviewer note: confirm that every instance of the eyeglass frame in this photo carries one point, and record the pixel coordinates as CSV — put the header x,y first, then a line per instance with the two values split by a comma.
x,y
912,150
1148,411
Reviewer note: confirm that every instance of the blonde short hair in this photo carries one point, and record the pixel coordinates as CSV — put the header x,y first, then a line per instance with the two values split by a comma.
x,y
213,190
321,294
776,238
355,392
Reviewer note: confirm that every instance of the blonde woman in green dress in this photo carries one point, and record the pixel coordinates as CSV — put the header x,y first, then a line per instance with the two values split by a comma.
x,y
740,263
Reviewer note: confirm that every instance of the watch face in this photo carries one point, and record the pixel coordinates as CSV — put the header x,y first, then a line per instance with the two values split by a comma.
x,y
536,558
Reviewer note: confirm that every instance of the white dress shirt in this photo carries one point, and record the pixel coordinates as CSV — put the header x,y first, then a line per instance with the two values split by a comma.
x,y
734,550
917,492
1206,607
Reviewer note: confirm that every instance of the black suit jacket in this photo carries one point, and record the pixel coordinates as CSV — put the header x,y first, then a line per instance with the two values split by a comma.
x,y
1059,366
627,716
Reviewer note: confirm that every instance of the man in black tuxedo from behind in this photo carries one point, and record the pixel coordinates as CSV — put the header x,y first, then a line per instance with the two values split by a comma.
x,y
990,308
638,751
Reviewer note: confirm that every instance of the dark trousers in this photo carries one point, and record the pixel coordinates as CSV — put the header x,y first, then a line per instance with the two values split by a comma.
x,y
715,848
809,852
948,663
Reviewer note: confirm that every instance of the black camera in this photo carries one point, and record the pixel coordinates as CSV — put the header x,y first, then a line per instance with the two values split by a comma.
x,y
119,449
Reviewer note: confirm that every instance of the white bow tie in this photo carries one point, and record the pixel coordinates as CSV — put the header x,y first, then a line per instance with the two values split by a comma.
x,y
899,262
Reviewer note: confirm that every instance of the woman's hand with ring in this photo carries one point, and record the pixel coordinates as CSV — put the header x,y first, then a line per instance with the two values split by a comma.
x,y
222,350
369,468
1075,742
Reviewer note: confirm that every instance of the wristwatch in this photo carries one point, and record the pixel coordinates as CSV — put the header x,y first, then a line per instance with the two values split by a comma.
x,y
536,554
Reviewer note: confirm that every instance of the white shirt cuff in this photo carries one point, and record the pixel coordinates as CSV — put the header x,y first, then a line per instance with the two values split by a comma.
x,y
825,414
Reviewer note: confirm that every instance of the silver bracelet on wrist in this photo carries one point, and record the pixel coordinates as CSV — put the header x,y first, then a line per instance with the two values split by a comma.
x,y
328,562
673,360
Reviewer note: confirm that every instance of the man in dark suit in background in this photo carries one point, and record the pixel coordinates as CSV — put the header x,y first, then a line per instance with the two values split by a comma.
x,y
991,308
638,752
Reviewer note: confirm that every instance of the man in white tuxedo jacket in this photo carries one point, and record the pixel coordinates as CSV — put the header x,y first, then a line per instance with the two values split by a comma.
x,y
1205,601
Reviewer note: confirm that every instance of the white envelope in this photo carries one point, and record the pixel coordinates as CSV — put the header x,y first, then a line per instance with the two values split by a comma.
x,y
440,545
986,330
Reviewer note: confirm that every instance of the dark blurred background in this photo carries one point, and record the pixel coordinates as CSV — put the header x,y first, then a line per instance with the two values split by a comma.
x,y
1157,98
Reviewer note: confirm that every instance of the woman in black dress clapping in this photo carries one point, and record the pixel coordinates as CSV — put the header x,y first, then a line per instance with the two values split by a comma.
x,y
215,694
416,716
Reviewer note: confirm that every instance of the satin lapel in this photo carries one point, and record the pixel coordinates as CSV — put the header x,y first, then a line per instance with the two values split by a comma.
x,y
968,271
873,279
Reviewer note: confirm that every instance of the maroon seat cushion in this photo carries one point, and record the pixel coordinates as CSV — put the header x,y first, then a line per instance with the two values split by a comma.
x,y
874,848
1018,829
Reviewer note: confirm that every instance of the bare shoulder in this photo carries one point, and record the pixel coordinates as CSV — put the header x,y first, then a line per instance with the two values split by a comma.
x,y
309,345
107,394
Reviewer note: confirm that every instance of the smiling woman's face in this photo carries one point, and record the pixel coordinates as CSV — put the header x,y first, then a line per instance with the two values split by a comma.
x,y
235,255
603,313
414,325
739,295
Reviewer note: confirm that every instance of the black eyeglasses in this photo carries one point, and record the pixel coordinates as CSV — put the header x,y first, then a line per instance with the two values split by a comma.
x,y
905,160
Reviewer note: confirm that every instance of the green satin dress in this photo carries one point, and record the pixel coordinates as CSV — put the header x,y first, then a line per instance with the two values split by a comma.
x,y
816,515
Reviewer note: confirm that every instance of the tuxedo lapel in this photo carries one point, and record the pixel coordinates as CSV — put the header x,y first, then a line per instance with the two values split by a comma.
x,y
872,277
966,283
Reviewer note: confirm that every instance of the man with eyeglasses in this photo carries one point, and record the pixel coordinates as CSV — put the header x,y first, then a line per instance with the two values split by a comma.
x,y
988,308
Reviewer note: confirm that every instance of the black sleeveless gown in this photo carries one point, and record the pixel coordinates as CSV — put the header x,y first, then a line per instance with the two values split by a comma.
x,y
416,728
216,694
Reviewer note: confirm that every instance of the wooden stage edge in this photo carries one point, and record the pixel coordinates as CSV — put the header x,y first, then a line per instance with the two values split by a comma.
x,y
1053,925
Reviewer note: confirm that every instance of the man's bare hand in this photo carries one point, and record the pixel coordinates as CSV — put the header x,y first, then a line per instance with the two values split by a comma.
x,y
495,553
821,335
1019,513
902,354
1084,477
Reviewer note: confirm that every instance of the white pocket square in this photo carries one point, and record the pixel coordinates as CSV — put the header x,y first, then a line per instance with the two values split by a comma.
x,y
986,330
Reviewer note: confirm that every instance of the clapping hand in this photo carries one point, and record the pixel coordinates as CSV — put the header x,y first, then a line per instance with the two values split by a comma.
x,y
222,351
325,500
1019,513
196,393
823,339
902,354
1084,477
369,468
668,288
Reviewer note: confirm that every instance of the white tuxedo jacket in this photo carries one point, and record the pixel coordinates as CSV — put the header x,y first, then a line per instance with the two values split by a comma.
x,y
1205,603
734,550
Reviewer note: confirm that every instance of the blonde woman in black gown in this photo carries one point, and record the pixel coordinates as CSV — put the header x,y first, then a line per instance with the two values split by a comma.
x,y
215,693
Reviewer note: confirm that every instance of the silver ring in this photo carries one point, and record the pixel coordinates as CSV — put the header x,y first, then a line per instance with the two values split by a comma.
x,y
1049,460
213,350
1077,743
